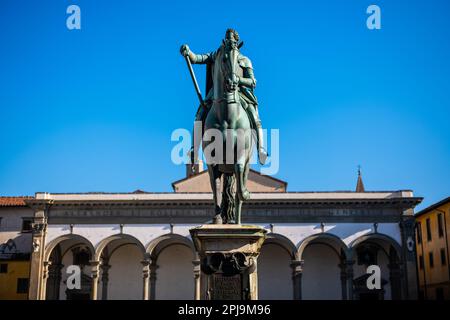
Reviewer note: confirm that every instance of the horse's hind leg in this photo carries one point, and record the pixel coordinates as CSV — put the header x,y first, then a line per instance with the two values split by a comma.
x,y
238,199
241,189
214,179
238,209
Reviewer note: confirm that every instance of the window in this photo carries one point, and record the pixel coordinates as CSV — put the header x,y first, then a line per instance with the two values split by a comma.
x,y
421,262
419,232
27,224
443,260
439,293
440,226
430,255
428,230
4,268
22,285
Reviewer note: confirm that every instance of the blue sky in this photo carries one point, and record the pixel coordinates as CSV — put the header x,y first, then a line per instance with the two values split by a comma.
x,y
94,109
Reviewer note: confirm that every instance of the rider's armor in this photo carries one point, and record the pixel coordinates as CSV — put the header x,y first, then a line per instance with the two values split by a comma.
x,y
246,85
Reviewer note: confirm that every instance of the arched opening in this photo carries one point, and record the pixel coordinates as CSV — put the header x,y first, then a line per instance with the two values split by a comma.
x,y
323,256
172,257
120,268
383,252
274,268
61,253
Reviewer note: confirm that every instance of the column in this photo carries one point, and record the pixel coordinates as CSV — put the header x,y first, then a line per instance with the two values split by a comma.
x,y
346,267
145,278
53,281
197,283
152,282
94,274
297,271
343,267
395,274
349,276
105,278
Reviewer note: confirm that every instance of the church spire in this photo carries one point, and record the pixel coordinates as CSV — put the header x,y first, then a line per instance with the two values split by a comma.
x,y
359,183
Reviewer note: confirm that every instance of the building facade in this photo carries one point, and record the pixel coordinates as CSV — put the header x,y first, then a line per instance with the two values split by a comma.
x,y
16,220
432,242
137,245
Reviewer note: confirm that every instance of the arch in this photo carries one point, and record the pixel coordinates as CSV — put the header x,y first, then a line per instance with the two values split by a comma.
x,y
284,242
388,259
374,237
324,238
67,237
275,267
121,236
155,246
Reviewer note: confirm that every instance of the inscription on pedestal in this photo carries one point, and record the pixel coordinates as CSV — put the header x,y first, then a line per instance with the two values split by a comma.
x,y
226,288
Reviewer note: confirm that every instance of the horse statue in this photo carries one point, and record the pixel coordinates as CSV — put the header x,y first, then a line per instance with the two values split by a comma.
x,y
228,116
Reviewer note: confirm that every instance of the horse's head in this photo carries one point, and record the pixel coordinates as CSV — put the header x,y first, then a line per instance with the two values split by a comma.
x,y
231,47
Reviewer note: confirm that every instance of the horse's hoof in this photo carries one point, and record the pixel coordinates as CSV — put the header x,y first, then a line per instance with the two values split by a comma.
x,y
217,219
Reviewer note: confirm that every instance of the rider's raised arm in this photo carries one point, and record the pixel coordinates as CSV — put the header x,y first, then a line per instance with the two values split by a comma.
x,y
196,58
200,58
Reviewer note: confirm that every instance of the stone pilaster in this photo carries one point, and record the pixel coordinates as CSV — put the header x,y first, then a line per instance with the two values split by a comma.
x,y
408,256
45,272
37,283
297,272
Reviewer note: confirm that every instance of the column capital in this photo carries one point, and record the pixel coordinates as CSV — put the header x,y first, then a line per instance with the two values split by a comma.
x,y
46,266
146,262
197,267
297,266
94,268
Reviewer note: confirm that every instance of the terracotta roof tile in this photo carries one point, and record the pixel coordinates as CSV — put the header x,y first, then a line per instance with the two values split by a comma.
x,y
13,201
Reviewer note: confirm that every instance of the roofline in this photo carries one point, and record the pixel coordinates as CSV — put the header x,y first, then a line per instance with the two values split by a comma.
x,y
23,198
432,207
206,171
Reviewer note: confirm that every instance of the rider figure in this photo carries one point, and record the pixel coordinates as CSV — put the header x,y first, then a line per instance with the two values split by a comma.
x,y
246,83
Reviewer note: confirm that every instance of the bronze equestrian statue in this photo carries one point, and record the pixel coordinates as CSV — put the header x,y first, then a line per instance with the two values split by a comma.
x,y
231,108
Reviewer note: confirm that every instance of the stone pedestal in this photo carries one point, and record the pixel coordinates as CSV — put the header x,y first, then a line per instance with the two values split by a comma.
x,y
228,260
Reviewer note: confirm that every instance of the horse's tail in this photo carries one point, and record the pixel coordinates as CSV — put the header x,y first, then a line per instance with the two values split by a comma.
x,y
227,206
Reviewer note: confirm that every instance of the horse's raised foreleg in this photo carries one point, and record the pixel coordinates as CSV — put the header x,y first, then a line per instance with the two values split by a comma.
x,y
214,179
